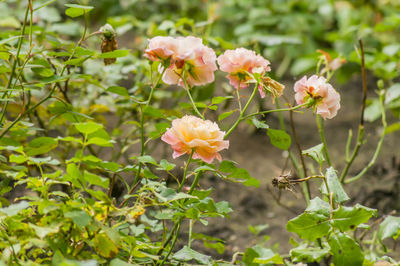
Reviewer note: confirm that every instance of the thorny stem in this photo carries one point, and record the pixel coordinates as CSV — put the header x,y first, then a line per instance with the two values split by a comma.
x,y
360,135
320,125
240,118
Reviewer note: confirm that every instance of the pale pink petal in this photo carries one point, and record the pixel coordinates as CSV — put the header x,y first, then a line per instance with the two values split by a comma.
x,y
192,133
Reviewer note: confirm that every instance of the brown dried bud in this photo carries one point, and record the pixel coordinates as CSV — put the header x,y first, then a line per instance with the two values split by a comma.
x,y
109,43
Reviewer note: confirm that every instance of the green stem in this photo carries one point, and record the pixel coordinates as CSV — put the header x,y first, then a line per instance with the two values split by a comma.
x,y
360,138
320,125
379,146
14,66
185,171
142,129
178,223
177,229
276,110
240,118
48,96
191,222
187,88
305,189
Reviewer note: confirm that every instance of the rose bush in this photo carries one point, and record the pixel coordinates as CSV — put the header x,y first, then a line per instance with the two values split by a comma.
x,y
84,180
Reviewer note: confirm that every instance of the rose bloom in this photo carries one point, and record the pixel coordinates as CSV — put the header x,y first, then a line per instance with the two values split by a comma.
x,y
240,61
160,48
187,53
198,60
327,100
192,133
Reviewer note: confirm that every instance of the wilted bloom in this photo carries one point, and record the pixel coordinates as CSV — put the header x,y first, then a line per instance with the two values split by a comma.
x,y
239,62
191,133
187,57
271,85
323,96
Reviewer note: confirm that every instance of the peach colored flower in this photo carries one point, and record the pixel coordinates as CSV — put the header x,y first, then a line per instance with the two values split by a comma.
x,y
327,100
195,58
239,62
192,133
160,48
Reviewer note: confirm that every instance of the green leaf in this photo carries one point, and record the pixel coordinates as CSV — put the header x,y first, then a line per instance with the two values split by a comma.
x,y
118,262
335,186
238,174
77,10
41,145
18,159
76,61
225,115
316,153
42,232
308,254
348,218
219,99
118,90
279,138
98,194
259,124
345,250
165,165
319,206
390,227
187,254
147,159
259,254
74,176
153,112
257,229
309,226
96,180
14,209
80,218
105,246
100,142
372,111
114,54
88,127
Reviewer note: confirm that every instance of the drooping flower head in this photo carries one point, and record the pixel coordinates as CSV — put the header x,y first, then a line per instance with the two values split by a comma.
x,y
321,94
239,62
188,57
192,133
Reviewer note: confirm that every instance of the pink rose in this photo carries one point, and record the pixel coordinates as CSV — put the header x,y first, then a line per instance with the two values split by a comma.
x,y
240,61
187,53
327,100
192,133
198,59
160,48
